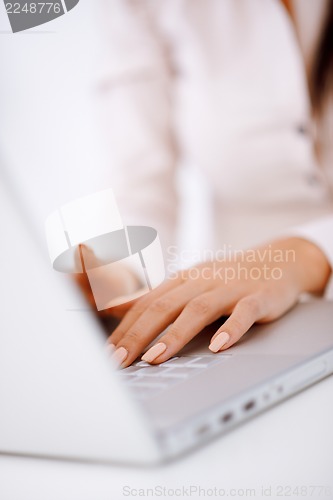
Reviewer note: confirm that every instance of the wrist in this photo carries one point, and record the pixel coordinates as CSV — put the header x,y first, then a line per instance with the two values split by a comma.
x,y
312,268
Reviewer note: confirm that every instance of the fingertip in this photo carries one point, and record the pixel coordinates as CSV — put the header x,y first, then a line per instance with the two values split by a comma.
x,y
154,352
119,356
219,341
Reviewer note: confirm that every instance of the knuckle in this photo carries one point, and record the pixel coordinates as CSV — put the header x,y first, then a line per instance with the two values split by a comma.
x,y
117,335
199,305
138,307
237,326
252,304
174,335
132,336
177,277
160,305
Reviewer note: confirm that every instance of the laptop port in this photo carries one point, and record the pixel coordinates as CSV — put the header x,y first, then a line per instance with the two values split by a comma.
x,y
227,417
249,405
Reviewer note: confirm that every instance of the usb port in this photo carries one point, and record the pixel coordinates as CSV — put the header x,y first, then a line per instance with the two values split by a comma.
x,y
249,405
227,417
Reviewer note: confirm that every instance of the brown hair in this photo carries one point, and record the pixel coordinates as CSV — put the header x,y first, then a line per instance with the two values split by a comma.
x,y
321,78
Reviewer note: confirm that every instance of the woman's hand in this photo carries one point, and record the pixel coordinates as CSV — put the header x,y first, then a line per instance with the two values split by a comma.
x,y
258,285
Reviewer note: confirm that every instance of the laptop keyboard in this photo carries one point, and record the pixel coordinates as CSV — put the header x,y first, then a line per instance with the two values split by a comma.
x,y
148,380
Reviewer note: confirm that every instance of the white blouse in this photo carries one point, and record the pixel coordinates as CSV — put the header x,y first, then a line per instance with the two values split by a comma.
x,y
219,86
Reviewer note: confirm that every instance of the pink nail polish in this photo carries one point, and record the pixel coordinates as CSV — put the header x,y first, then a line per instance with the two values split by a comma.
x,y
154,352
119,356
219,341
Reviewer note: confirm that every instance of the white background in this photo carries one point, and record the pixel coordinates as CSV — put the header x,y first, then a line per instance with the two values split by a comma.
x,y
51,140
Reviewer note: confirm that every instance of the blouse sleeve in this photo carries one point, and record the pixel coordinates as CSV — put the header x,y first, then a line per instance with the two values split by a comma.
x,y
134,87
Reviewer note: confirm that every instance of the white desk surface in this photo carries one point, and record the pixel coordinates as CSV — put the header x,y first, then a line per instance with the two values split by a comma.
x,y
290,445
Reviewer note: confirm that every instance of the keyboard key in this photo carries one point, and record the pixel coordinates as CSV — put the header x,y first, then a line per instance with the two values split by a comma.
x,y
147,382
131,369
203,361
141,363
176,372
153,371
177,361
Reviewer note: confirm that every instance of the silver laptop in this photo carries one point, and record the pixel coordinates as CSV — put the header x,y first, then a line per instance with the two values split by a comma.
x,y
61,397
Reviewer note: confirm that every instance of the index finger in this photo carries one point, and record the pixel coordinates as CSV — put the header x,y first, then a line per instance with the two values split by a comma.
x,y
140,306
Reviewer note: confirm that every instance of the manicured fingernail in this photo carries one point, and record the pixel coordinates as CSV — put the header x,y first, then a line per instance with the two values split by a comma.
x,y
110,348
154,352
219,341
119,355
